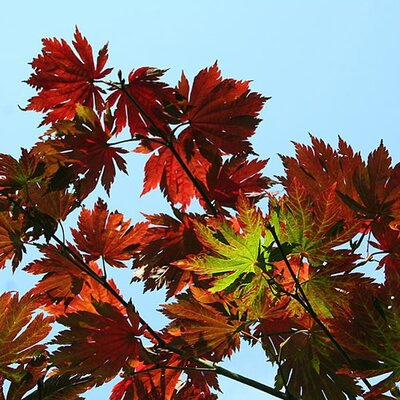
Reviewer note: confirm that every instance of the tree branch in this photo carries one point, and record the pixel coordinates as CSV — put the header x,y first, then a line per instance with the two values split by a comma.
x,y
79,262
168,143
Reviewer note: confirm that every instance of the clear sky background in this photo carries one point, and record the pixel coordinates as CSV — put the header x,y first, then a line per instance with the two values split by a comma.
x,y
331,67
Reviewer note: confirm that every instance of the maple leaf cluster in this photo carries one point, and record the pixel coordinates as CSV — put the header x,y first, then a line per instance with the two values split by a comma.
x,y
281,270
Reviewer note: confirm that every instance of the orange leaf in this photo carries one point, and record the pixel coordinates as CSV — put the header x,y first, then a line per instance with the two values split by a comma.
x,y
163,169
202,329
91,290
150,381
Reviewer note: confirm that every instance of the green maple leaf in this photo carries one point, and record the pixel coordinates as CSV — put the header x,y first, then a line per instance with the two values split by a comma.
x,y
234,256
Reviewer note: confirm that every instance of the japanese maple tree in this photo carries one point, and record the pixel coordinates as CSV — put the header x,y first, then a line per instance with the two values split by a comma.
x,y
291,274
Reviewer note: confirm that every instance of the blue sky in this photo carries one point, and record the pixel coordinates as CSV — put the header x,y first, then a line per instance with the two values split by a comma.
x,y
332,68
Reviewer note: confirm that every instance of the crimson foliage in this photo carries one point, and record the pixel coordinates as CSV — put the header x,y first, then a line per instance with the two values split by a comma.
x,y
289,277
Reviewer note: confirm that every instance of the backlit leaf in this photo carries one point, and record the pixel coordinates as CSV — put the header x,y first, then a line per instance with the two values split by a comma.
x,y
370,330
377,184
62,387
149,381
200,329
222,113
107,235
31,374
313,225
309,364
79,153
12,235
92,291
163,169
17,174
233,256
64,77
166,240
20,332
236,176
62,279
319,166
149,93
98,343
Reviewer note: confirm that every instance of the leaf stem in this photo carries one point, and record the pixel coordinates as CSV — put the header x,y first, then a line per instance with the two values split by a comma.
x,y
136,139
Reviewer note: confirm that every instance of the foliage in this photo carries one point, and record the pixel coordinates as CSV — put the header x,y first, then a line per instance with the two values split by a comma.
x,y
284,269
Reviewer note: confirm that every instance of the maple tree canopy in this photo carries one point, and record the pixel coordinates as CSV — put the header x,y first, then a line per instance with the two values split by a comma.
x,y
289,271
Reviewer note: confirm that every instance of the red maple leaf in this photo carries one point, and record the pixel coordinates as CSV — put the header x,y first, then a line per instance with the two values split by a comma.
x,y
166,240
65,78
12,235
142,103
62,386
164,169
80,151
314,224
198,384
221,113
99,342
388,241
107,235
162,379
377,196
369,332
151,381
91,291
188,391
235,176
201,329
63,279
318,167
58,203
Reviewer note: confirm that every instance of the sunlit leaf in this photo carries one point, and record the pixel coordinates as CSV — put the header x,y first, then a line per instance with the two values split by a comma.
x,y
106,235
222,113
98,343
64,77
20,333
233,256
